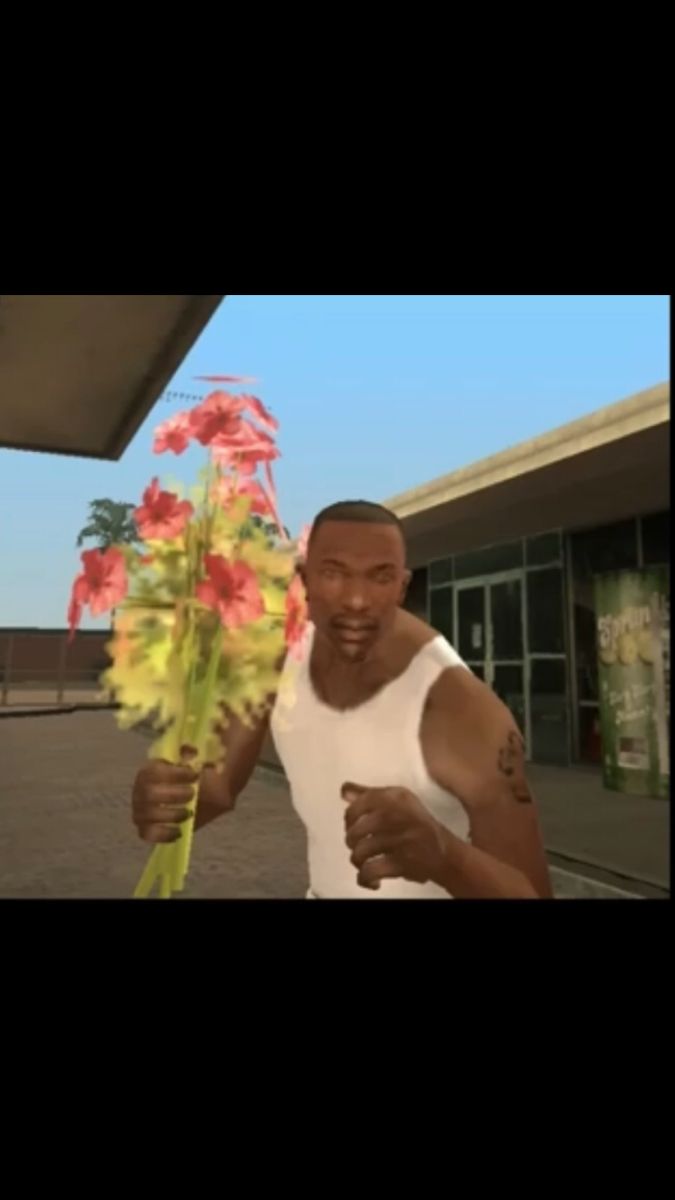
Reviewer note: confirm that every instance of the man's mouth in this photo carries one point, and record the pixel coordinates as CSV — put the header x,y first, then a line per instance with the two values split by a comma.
x,y
354,633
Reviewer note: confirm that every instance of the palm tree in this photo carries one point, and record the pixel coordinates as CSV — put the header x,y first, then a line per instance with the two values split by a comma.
x,y
110,523
269,528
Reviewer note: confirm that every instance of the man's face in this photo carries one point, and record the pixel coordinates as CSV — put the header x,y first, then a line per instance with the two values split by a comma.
x,y
356,579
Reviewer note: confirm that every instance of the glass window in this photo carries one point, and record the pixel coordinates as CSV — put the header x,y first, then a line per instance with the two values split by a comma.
x,y
472,630
586,640
548,710
441,616
506,615
545,611
611,548
416,599
656,539
441,571
544,549
508,684
490,560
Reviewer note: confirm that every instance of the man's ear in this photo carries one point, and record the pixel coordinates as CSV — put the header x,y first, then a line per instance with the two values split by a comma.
x,y
301,572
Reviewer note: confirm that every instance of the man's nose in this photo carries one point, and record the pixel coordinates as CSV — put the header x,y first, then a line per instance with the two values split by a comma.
x,y
355,597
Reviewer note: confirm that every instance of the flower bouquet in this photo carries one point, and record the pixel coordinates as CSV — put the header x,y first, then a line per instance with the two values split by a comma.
x,y
205,605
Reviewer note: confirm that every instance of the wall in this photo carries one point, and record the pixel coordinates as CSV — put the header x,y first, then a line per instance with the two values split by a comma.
x,y
31,658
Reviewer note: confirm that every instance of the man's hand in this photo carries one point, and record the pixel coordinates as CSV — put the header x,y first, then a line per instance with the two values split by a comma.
x,y
162,792
392,836
160,799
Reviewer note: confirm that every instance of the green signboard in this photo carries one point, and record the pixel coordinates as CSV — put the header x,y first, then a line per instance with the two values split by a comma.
x,y
633,625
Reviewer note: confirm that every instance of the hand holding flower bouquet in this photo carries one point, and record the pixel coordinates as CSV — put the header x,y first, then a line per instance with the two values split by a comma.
x,y
205,609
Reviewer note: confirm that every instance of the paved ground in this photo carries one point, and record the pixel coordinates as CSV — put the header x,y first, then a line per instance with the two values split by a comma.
x,y
40,697
616,837
65,829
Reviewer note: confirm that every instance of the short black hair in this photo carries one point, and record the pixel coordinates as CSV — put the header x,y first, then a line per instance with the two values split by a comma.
x,y
361,512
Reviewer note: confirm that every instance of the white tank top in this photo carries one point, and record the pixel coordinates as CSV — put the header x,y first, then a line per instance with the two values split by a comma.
x,y
375,745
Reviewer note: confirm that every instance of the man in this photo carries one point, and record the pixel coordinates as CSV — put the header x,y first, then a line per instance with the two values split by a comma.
x,y
407,771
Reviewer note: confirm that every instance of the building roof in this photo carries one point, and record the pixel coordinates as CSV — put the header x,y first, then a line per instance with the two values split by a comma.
x,y
605,466
79,374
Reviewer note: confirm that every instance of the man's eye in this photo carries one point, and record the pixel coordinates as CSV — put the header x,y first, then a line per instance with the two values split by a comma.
x,y
384,577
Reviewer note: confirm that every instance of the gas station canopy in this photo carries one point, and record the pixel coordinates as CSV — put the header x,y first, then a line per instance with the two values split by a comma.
x,y
79,374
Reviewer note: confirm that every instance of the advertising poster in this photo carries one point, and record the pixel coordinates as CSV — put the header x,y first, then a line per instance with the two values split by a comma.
x,y
633,626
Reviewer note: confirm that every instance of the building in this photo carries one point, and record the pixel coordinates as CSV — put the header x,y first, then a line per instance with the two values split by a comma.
x,y
504,554
80,374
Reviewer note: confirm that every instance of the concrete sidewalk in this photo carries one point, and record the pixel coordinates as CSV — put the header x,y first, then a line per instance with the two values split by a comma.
x,y
622,840
46,699
66,831
65,828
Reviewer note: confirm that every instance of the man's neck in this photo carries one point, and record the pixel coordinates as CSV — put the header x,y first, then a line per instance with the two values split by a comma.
x,y
344,684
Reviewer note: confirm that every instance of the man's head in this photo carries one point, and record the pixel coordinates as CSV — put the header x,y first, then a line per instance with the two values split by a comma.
x,y
355,575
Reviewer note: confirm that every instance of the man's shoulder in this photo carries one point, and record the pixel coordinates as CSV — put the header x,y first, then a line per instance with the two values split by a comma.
x,y
468,733
467,702
413,631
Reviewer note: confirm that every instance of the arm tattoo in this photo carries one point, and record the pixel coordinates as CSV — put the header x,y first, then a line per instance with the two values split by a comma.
x,y
511,755
510,762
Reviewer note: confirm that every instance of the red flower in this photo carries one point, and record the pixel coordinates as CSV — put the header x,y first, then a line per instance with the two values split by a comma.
x,y
102,585
251,403
232,591
244,449
303,542
174,434
243,452
296,615
219,416
227,490
262,415
162,516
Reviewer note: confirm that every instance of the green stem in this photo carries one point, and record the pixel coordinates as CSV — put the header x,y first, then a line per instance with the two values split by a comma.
x,y
150,875
183,848
169,864
161,863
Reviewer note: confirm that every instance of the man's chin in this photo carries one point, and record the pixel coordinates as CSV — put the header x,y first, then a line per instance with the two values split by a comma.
x,y
354,650
354,654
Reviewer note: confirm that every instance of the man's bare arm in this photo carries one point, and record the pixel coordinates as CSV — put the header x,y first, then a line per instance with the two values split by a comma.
x,y
504,818
485,868
484,766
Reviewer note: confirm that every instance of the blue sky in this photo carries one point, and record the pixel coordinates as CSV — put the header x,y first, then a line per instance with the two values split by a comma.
x,y
375,394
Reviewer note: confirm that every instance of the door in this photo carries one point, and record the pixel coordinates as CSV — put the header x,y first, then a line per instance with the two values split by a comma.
x,y
506,642
471,626
490,624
